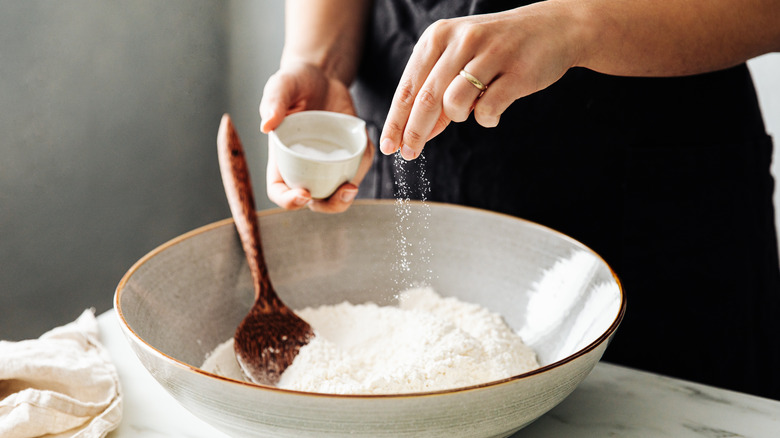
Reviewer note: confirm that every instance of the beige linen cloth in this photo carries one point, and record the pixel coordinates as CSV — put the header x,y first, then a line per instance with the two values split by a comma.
x,y
61,385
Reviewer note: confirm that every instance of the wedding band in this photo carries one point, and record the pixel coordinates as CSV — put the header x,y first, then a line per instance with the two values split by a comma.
x,y
474,81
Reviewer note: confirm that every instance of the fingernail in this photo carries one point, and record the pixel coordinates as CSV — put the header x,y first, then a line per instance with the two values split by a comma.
x,y
348,195
300,200
386,146
408,153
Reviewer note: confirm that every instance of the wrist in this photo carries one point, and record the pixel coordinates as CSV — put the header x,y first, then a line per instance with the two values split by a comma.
x,y
326,34
332,63
581,29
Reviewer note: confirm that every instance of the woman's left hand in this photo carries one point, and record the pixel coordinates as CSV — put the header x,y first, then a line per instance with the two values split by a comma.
x,y
513,53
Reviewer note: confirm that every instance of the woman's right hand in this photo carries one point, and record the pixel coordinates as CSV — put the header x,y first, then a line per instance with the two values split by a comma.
x,y
299,86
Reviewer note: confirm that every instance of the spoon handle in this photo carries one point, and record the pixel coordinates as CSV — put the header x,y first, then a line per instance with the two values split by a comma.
x,y
238,188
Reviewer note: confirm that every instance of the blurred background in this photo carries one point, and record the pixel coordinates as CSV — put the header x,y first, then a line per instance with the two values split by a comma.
x,y
109,113
109,119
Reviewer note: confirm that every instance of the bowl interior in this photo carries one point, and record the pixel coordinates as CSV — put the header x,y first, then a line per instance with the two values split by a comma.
x,y
340,130
187,296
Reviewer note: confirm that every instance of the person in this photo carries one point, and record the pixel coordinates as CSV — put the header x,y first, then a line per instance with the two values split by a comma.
x,y
633,127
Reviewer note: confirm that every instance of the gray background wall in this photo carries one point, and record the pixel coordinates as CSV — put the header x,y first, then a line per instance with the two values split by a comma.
x,y
108,114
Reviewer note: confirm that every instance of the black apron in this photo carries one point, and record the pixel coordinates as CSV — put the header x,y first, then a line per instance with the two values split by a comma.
x,y
667,178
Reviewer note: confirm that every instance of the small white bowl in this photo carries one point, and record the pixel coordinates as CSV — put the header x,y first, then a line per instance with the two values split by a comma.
x,y
318,150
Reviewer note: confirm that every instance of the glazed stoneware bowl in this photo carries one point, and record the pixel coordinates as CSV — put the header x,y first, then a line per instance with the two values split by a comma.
x,y
180,301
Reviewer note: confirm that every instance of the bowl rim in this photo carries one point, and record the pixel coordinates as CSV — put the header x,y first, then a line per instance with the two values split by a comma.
x,y
130,333
360,125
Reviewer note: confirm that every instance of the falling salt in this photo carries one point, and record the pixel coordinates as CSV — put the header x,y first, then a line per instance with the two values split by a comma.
x,y
413,224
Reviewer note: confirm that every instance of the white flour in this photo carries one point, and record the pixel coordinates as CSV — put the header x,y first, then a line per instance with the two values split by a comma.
x,y
427,343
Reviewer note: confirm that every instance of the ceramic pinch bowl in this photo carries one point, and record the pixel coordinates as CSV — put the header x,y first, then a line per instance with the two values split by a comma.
x,y
318,150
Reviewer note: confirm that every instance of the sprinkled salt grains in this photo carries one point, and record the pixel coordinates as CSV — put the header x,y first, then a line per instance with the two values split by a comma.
x,y
419,249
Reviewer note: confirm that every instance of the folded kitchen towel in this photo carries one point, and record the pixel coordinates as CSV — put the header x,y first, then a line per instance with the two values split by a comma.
x,y
61,385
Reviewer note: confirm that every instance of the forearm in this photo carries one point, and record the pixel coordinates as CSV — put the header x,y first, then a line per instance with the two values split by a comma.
x,y
326,33
675,37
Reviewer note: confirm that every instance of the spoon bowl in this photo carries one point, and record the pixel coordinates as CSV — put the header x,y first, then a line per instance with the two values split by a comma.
x,y
270,336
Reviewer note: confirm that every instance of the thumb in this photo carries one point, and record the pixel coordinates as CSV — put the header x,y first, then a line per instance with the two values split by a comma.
x,y
278,97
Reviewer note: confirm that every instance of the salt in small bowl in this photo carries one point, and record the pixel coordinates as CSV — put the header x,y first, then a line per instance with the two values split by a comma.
x,y
318,150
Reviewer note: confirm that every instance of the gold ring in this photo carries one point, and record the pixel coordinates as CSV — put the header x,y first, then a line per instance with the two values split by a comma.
x,y
474,81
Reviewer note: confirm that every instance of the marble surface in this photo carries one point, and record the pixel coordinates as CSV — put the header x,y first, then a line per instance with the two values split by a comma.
x,y
612,401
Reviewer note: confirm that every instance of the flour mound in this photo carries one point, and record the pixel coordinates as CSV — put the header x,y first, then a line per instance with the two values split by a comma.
x,y
427,343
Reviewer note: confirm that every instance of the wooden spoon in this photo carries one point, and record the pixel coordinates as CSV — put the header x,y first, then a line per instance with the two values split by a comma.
x,y
269,337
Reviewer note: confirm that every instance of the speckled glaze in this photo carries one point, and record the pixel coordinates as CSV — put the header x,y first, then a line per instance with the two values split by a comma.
x,y
185,297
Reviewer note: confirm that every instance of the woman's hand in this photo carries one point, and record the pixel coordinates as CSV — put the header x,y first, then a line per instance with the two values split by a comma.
x,y
514,53
518,52
297,87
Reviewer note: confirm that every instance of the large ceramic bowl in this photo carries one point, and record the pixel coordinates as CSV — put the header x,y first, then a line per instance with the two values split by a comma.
x,y
181,300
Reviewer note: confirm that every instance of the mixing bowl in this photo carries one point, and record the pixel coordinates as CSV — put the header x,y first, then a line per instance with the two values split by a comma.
x,y
180,301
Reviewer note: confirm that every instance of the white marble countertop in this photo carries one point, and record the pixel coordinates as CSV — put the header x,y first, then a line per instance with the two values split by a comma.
x,y
612,401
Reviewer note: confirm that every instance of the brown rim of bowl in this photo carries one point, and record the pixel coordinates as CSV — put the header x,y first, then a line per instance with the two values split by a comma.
x,y
129,331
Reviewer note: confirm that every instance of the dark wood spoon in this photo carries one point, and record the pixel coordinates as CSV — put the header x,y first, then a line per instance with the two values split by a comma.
x,y
269,337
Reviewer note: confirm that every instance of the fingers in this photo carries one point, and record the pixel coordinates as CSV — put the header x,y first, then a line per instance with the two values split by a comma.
x,y
427,110
287,198
439,126
514,53
338,202
431,111
431,92
396,135
462,95
459,99
417,104
274,103
496,99
278,191
444,96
